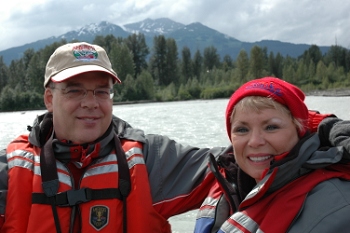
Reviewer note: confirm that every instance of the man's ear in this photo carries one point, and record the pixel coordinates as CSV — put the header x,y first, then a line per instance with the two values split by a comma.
x,y
48,98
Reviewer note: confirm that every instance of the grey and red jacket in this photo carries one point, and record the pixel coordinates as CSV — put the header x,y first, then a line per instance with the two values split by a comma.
x,y
307,191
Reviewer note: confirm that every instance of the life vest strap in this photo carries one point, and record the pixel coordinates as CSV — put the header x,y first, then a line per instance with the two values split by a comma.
x,y
75,197
230,189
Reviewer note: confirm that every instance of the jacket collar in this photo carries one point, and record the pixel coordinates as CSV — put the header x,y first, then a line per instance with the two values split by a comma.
x,y
302,159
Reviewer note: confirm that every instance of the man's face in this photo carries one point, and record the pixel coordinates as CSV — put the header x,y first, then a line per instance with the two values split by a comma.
x,y
80,120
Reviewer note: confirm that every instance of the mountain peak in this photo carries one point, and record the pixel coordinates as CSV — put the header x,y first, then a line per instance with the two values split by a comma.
x,y
89,31
94,28
154,27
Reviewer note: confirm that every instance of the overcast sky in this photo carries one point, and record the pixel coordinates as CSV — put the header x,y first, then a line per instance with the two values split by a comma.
x,y
320,22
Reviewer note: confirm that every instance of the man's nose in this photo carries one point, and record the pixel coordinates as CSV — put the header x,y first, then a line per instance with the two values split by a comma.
x,y
89,100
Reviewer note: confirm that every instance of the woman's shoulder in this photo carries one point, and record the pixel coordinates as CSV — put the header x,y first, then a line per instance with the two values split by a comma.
x,y
326,208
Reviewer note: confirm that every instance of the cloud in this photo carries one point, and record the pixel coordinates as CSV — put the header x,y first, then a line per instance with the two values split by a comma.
x,y
317,22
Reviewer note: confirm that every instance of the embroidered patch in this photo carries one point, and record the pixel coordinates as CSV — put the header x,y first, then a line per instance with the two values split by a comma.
x,y
266,86
99,216
84,52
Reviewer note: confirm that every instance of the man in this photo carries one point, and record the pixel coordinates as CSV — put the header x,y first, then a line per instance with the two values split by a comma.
x,y
83,170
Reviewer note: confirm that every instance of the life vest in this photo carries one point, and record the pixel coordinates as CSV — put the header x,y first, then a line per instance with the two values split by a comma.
x,y
259,213
99,201
225,196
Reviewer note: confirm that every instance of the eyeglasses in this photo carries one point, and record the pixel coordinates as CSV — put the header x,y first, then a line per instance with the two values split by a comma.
x,y
79,93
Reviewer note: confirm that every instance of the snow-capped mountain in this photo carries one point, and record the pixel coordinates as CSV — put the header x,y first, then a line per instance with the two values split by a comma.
x,y
153,27
196,36
90,31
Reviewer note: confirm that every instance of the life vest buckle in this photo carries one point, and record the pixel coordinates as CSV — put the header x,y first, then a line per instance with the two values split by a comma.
x,y
76,197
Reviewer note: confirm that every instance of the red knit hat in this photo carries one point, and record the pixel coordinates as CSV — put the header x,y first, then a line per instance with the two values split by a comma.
x,y
279,90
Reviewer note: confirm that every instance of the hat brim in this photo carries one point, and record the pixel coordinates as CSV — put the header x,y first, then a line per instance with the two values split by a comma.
x,y
73,71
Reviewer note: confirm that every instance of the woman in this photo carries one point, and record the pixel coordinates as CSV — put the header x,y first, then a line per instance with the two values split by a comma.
x,y
278,179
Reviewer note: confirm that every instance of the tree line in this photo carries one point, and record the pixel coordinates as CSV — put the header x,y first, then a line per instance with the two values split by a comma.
x,y
160,73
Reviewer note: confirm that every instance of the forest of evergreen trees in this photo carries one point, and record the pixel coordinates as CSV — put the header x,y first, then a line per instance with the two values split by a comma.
x,y
160,73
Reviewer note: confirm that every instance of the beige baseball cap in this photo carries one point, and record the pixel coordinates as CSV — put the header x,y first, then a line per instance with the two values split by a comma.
x,y
76,58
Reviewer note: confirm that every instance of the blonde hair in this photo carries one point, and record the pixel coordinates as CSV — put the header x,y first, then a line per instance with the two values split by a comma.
x,y
259,103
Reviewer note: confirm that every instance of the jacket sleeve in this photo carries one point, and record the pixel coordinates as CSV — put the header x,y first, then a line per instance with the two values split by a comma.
x,y
315,118
3,185
20,175
179,174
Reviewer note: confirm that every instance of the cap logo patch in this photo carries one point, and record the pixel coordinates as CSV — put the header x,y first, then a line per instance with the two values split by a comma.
x,y
85,52
99,216
266,86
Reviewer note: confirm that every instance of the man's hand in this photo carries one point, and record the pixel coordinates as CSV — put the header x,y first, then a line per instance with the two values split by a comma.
x,y
340,135
335,132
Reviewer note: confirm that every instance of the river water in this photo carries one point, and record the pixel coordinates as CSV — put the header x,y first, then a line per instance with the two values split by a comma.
x,y
199,123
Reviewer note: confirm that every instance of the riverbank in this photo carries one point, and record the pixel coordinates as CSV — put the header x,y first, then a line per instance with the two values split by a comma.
x,y
135,102
332,93
335,92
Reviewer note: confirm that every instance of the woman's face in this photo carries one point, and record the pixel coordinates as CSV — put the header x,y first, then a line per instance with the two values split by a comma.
x,y
259,136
